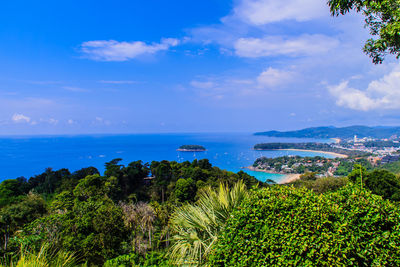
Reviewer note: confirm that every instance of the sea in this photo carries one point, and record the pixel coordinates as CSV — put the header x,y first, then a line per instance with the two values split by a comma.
x,y
30,155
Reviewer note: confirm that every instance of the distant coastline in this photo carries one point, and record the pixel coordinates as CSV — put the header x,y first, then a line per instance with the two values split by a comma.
x,y
289,177
307,150
334,132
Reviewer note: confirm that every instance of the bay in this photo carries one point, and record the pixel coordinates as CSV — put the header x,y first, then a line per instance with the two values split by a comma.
x,y
30,155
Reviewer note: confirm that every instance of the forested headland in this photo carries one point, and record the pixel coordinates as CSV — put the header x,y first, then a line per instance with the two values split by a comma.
x,y
336,132
309,146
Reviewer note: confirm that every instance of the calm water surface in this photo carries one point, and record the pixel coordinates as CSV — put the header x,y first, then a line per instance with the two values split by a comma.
x,y
27,156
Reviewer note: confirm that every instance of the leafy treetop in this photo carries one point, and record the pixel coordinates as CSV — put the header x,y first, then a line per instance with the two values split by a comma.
x,y
382,17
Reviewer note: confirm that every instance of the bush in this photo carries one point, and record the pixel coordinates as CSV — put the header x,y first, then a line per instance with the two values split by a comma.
x,y
324,184
294,226
384,183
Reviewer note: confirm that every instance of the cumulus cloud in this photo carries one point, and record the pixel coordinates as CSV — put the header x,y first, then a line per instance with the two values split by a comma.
x,y
260,12
278,45
222,87
20,118
380,94
273,77
112,50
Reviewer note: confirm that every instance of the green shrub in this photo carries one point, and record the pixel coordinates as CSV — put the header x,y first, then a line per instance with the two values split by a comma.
x,y
294,226
324,184
383,183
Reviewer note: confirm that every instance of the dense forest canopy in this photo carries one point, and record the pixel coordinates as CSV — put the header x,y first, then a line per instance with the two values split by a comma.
x,y
99,217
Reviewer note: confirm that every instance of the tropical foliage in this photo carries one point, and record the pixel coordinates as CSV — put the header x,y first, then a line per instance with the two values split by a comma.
x,y
196,226
45,257
281,226
121,216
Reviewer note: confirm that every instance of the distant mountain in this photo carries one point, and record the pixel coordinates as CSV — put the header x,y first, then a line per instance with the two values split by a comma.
x,y
334,132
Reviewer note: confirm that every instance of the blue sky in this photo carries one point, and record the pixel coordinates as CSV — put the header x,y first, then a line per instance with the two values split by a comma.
x,y
71,67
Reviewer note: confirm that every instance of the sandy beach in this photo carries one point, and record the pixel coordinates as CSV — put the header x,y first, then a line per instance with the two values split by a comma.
x,y
289,177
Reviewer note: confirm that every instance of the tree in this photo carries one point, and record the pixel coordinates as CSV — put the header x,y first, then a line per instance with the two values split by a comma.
x,y
382,17
10,191
86,221
308,176
185,189
197,226
15,216
137,217
358,174
163,175
383,183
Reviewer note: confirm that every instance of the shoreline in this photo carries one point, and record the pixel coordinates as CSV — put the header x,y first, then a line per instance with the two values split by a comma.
x,y
307,150
288,177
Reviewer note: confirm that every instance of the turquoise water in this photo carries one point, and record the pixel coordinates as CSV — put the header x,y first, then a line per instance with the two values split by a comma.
x,y
28,156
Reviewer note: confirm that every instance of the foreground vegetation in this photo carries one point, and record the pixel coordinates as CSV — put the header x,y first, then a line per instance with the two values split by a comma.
x,y
283,226
122,216
193,214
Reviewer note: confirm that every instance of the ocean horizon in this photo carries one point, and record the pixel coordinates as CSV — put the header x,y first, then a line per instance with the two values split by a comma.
x,y
30,155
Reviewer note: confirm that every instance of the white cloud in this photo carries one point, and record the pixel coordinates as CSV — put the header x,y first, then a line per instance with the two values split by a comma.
x,y
260,12
274,77
228,87
351,98
278,45
111,50
70,121
380,94
20,118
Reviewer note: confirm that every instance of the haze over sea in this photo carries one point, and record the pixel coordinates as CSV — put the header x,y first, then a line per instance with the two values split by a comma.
x,y
28,156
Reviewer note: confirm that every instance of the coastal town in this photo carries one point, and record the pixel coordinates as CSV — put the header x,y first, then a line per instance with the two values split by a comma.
x,y
369,152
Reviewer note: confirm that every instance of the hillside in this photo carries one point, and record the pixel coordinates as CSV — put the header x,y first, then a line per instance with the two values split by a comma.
x,y
335,132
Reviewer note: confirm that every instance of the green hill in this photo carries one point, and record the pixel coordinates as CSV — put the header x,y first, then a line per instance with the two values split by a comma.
x,y
334,132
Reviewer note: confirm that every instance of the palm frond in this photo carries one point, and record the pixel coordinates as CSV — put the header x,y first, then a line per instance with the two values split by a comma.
x,y
197,226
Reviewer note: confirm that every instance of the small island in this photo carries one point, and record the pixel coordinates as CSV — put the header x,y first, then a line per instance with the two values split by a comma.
x,y
191,148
